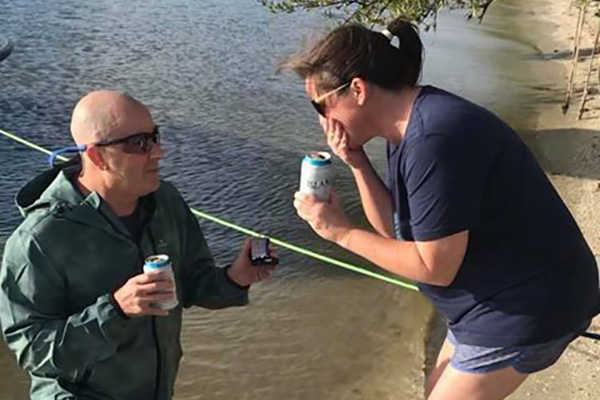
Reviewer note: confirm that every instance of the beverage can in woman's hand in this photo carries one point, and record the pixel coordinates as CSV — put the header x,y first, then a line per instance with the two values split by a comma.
x,y
316,174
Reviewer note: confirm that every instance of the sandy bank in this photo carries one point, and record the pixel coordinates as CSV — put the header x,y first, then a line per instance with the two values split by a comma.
x,y
569,150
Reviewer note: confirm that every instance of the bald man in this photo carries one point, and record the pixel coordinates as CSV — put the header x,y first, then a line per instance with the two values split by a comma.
x,y
75,307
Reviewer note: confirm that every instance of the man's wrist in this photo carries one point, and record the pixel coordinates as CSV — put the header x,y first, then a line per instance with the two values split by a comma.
x,y
235,281
117,306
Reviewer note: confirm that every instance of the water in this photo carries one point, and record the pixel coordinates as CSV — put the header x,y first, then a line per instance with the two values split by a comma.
x,y
234,134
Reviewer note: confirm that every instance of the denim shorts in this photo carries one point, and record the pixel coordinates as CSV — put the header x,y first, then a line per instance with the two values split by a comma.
x,y
524,359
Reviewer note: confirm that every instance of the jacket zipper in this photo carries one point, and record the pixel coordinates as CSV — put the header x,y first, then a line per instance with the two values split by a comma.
x,y
153,319
155,334
158,359
155,337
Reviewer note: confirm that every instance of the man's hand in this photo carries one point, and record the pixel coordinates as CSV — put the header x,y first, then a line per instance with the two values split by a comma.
x,y
243,272
137,295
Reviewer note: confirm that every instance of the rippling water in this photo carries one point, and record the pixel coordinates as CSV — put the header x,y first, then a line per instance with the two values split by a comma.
x,y
234,133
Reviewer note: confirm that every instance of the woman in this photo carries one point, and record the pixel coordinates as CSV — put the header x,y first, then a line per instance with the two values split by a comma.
x,y
482,230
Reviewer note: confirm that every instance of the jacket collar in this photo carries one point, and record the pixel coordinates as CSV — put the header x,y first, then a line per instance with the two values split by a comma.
x,y
55,191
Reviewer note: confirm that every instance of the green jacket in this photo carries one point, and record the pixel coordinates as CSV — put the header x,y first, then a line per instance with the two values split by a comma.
x,y
59,269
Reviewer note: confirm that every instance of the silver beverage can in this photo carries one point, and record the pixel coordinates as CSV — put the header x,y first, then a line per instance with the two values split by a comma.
x,y
316,174
160,263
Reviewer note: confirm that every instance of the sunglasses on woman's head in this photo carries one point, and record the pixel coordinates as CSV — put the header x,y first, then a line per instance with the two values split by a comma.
x,y
138,143
317,102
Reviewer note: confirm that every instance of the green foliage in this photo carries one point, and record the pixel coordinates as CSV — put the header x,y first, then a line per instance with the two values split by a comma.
x,y
381,12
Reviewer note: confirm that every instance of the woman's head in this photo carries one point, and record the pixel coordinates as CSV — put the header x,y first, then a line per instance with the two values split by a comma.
x,y
339,69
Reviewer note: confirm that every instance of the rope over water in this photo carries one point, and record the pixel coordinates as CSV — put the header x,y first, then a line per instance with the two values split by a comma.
x,y
249,232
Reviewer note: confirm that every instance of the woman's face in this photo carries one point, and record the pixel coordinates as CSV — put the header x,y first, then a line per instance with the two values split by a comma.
x,y
345,106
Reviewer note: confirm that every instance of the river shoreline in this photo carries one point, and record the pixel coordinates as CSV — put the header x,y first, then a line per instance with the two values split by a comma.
x,y
568,149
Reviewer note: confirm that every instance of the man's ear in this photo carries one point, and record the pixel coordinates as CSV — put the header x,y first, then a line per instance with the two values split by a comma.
x,y
360,90
96,157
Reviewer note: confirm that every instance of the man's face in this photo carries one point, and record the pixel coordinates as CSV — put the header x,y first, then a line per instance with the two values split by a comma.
x,y
132,166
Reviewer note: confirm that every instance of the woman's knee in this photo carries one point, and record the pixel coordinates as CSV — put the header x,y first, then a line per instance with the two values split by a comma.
x,y
458,385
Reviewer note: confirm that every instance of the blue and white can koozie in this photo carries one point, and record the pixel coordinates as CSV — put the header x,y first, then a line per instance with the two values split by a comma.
x,y
160,263
316,174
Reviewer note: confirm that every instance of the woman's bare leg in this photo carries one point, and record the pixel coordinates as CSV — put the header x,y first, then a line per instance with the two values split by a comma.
x,y
443,360
457,385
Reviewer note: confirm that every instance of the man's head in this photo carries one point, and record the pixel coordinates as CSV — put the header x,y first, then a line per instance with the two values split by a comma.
x,y
123,151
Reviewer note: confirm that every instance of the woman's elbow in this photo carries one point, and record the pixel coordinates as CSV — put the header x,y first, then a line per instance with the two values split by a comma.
x,y
441,281
441,275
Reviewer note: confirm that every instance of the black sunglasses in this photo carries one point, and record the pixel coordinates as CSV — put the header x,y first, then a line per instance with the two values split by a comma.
x,y
138,143
316,103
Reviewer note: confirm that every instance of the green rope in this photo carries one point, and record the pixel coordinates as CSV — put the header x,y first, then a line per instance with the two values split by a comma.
x,y
249,232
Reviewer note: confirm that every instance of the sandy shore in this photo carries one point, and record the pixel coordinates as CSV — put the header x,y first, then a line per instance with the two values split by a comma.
x,y
569,150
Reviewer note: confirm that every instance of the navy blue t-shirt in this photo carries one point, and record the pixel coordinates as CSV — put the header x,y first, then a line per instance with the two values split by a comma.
x,y
528,275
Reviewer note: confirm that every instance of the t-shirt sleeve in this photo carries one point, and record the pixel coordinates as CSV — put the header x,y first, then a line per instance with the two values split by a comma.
x,y
445,177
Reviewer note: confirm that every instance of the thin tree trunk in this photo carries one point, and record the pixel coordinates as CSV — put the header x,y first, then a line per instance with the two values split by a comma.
x,y
576,40
589,74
